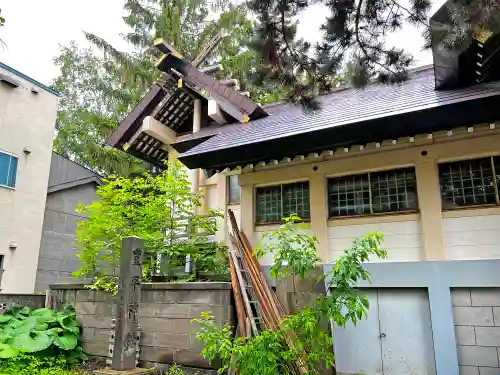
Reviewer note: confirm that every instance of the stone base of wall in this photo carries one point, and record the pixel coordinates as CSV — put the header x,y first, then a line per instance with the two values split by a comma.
x,y
162,368
34,301
165,312
476,314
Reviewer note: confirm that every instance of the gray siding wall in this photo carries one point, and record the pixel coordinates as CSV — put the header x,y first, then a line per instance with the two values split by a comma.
x,y
57,258
64,170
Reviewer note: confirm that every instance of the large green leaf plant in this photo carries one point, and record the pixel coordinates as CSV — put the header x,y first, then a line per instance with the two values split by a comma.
x,y
53,333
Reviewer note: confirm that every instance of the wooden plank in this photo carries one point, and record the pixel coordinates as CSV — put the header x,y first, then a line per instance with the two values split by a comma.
x,y
238,299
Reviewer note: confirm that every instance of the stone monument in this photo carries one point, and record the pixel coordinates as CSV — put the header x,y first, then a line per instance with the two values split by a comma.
x,y
126,330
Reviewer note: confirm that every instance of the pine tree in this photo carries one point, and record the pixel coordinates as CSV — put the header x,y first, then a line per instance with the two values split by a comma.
x,y
355,31
468,20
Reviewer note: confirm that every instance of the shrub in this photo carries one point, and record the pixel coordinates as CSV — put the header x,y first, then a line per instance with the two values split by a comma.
x,y
38,364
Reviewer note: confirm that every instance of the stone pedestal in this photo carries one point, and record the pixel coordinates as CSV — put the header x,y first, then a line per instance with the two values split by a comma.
x,y
137,371
126,336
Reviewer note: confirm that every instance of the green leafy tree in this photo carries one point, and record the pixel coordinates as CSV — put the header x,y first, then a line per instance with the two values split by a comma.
x,y
293,250
148,207
266,353
95,96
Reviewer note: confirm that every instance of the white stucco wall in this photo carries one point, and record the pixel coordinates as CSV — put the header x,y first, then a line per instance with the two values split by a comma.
x,y
211,198
402,239
472,237
26,121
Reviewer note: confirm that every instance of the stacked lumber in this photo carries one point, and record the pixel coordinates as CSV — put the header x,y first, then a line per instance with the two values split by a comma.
x,y
269,307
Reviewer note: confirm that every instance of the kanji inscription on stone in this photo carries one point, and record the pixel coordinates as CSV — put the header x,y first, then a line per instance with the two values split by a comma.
x,y
127,305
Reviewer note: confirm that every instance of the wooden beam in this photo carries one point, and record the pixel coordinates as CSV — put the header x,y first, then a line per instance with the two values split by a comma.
x,y
215,112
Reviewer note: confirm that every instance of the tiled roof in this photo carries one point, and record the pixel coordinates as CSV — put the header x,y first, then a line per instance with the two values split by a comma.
x,y
339,109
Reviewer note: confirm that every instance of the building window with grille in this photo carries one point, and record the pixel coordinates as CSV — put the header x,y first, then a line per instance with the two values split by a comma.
x,y
233,190
373,193
469,183
8,170
276,202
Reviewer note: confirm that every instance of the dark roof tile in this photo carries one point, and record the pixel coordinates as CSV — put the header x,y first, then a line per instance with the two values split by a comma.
x,y
340,108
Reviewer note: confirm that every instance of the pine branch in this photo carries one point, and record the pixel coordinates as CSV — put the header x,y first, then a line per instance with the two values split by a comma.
x,y
108,49
362,45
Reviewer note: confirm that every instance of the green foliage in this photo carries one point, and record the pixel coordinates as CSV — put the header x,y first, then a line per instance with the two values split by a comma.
x,y
343,278
45,332
146,207
38,364
94,98
468,21
293,250
259,355
266,352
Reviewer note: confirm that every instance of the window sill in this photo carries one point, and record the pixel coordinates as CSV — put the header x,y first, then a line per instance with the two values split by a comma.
x,y
465,211
390,217
266,227
7,187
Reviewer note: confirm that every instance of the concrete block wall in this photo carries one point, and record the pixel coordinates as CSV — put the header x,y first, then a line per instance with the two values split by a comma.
x,y
95,311
476,314
35,301
57,258
165,312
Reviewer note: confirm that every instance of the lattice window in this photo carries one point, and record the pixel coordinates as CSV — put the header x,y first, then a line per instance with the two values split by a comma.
x,y
348,196
276,202
393,191
369,193
469,182
296,199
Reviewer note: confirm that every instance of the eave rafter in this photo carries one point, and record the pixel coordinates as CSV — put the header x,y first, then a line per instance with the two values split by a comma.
x,y
369,148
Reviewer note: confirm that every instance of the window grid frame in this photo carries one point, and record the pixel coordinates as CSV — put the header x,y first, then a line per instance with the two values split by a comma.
x,y
11,175
229,201
370,193
495,183
281,213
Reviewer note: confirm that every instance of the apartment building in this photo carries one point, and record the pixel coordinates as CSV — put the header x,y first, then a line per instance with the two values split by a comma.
x,y
27,119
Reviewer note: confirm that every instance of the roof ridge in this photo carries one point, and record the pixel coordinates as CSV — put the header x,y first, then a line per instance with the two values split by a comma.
x,y
79,164
29,79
